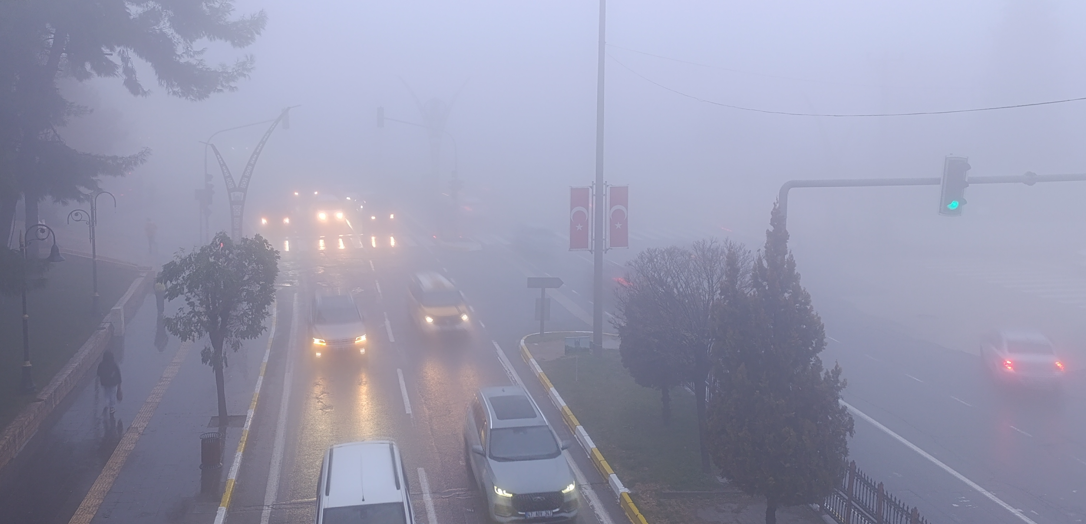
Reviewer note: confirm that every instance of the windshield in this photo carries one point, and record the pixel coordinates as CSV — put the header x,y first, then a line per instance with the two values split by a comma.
x,y
1029,348
388,513
442,298
527,443
338,314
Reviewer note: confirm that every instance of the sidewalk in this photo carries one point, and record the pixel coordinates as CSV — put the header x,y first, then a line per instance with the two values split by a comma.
x,y
153,475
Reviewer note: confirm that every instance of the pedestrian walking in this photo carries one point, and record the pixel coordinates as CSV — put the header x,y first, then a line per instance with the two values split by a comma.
x,y
160,297
151,229
109,376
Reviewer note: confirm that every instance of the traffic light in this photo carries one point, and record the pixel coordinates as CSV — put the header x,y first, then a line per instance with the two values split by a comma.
x,y
380,117
952,197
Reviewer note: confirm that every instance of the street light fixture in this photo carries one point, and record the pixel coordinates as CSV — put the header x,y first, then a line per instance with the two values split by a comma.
x,y
91,219
40,232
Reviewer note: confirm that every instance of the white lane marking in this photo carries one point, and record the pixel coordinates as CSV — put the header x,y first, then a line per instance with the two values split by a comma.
x,y
593,500
431,516
872,358
271,490
833,339
954,473
371,267
589,493
482,325
574,291
914,378
378,284
1080,461
403,391
509,371
960,400
1020,431
388,329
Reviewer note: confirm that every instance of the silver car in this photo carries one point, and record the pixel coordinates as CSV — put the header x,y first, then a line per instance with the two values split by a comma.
x,y
337,325
1023,357
516,459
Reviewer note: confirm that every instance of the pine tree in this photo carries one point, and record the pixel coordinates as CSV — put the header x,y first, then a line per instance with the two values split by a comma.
x,y
777,428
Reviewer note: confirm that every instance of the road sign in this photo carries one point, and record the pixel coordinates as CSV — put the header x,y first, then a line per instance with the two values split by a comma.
x,y
544,282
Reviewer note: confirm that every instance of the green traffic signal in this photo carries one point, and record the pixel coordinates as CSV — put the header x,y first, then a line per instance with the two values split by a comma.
x,y
952,205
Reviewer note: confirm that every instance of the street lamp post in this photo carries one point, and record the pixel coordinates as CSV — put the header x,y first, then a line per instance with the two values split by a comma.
x,y
40,232
91,219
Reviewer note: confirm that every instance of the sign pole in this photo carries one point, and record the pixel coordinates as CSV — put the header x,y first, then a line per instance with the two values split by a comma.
x,y
542,309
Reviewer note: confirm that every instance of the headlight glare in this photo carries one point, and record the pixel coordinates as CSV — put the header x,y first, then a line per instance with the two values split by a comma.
x,y
464,317
501,492
319,341
429,319
572,486
360,339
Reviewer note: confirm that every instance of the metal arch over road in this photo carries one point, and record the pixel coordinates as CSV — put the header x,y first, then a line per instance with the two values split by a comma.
x,y
1028,179
237,191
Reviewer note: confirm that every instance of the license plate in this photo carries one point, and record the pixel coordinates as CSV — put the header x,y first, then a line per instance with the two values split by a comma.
x,y
538,514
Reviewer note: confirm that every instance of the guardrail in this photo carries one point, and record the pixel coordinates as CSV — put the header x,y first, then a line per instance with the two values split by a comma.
x,y
860,500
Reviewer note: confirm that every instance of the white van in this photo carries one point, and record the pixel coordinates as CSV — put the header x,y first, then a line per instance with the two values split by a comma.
x,y
363,482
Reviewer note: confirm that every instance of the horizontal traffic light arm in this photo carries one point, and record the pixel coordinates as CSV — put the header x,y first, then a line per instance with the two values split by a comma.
x,y
1029,179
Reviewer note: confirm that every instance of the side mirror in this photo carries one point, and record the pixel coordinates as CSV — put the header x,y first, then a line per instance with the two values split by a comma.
x,y
478,450
566,444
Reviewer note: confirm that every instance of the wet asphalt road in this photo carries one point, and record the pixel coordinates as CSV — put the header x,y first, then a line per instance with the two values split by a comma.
x,y
1003,455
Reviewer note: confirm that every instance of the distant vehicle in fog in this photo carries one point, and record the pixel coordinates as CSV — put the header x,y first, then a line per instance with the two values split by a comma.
x,y
516,459
1022,357
535,240
436,304
336,325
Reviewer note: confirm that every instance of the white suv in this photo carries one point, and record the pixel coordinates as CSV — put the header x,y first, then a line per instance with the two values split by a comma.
x,y
515,457
363,482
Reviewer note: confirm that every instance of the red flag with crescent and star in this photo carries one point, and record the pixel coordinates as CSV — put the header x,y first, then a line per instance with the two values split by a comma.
x,y
579,231
618,234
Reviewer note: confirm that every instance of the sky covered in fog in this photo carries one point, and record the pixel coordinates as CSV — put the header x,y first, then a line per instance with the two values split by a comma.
x,y
524,79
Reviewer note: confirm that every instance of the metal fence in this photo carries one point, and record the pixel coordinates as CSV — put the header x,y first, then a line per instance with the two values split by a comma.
x,y
860,500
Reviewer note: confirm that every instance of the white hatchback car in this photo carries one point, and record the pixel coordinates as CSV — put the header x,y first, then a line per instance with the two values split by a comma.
x,y
363,482
1023,357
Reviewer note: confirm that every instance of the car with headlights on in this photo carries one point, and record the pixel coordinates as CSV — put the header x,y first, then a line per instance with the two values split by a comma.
x,y
436,304
515,458
336,325
1023,357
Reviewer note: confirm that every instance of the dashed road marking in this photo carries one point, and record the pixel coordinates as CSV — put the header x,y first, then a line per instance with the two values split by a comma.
x,y
1020,431
833,339
960,400
427,499
388,329
102,485
378,284
371,267
914,378
403,391
509,371
954,473
872,358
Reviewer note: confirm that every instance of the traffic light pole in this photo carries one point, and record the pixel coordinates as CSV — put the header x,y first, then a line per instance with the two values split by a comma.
x,y
1028,179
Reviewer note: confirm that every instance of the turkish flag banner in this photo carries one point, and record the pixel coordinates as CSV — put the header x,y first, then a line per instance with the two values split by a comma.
x,y
617,216
579,204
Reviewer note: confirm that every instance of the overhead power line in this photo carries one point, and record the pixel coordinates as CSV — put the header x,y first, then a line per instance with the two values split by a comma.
x,y
840,115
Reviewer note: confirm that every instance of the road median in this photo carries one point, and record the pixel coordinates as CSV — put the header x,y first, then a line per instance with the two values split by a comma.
x,y
655,461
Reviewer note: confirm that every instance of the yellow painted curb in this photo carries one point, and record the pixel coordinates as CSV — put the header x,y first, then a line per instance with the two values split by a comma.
x,y
546,383
601,463
630,509
571,420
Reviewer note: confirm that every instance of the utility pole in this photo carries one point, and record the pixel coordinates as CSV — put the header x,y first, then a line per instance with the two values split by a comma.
x,y
597,225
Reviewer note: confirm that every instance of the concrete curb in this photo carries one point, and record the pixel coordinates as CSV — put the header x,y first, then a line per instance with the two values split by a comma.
x,y
16,435
620,491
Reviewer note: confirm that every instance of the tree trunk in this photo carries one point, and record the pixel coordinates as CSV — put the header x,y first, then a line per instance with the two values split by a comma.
x,y
665,401
220,385
703,425
770,510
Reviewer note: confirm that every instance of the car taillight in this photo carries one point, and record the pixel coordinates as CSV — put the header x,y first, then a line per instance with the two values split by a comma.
x,y
1008,365
1059,365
